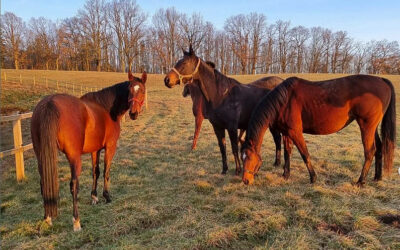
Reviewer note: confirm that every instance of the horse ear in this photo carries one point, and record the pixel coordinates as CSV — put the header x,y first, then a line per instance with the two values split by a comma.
x,y
191,52
130,76
211,64
144,77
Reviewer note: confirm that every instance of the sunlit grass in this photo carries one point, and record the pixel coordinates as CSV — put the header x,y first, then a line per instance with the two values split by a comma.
x,y
167,196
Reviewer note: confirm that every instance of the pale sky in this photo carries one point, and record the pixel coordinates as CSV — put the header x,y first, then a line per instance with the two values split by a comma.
x,y
364,20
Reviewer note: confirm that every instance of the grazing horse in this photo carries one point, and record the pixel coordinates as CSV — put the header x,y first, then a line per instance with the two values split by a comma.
x,y
227,103
76,126
299,106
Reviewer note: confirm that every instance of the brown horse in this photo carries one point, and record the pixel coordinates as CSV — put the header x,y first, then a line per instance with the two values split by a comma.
x,y
299,106
229,103
77,126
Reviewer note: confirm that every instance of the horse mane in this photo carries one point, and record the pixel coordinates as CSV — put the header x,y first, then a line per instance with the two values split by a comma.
x,y
114,99
267,110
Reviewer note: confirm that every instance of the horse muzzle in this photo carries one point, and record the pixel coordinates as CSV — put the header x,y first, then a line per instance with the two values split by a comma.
x,y
133,116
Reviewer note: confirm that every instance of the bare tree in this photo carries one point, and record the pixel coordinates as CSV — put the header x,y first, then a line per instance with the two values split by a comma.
x,y
166,34
238,33
257,24
283,39
12,32
192,30
299,36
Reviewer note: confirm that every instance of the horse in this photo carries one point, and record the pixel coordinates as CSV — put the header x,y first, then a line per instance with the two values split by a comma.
x,y
299,106
228,103
77,126
199,107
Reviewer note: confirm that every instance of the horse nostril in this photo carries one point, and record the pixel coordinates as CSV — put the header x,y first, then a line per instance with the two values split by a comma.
x,y
166,80
246,181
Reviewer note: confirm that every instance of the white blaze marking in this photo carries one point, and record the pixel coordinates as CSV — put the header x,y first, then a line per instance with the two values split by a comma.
x,y
136,88
244,156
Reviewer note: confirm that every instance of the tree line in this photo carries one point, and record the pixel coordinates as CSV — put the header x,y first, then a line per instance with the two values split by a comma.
x,y
116,35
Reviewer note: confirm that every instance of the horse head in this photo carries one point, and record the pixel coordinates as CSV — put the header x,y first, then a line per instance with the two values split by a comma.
x,y
137,94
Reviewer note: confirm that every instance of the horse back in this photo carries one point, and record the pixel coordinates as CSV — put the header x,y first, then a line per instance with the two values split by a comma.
x,y
327,106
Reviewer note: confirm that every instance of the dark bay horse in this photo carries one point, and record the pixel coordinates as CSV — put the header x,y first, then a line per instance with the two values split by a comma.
x,y
299,106
77,126
229,103
200,107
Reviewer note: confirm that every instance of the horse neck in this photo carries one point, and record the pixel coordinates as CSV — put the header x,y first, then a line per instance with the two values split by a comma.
x,y
216,84
256,137
113,99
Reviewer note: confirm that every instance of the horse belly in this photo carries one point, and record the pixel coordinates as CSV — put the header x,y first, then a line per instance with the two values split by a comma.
x,y
327,121
94,134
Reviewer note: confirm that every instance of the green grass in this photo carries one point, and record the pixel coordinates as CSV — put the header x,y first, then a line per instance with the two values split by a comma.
x,y
167,196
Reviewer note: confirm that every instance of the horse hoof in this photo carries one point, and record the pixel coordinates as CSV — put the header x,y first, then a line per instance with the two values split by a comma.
x,y
379,178
313,179
106,195
48,221
77,225
286,176
95,200
277,164
223,172
360,184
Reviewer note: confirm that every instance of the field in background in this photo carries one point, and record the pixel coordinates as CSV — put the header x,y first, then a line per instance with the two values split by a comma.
x,y
167,196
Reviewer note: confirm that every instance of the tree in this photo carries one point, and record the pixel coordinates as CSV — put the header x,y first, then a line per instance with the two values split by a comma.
x,y
12,31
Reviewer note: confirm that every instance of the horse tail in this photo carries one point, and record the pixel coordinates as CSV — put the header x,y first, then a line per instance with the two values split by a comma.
x,y
45,123
388,130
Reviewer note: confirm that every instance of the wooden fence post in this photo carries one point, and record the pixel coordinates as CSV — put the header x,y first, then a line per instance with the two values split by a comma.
x,y
19,155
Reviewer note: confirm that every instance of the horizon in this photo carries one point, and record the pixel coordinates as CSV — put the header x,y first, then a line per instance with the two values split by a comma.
x,y
353,19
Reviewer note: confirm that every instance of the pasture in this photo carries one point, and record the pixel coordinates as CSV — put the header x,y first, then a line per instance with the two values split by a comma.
x,y
167,196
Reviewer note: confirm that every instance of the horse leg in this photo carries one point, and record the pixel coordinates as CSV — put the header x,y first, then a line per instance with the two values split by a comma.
x,y
220,133
288,145
96,174
378,157
240,138
278,140
108,155
233,136
75,164
368,139
198,121
298,140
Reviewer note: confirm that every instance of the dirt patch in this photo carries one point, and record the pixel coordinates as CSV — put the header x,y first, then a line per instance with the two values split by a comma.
x,y
391,219
333,228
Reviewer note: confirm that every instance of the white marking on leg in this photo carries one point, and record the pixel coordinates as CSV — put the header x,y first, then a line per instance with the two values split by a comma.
x,y
48,220
94,200
77,225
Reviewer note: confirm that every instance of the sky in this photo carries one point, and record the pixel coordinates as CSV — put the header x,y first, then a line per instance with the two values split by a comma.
x,y
364,20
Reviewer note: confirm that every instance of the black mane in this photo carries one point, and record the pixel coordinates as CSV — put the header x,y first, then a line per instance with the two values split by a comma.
x,y
114,99
267,110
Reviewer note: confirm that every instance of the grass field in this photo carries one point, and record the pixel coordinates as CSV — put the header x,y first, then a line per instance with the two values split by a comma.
x,y
167,196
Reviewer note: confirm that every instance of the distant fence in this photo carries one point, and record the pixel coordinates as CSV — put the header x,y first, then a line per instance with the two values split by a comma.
x,y
56,85
51,84
39,82
19,148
